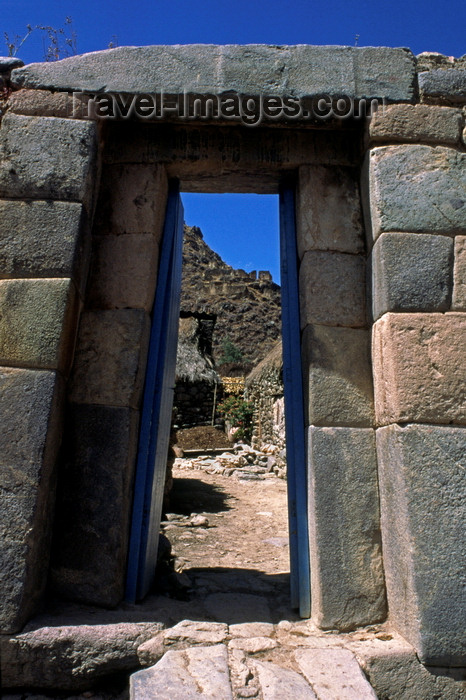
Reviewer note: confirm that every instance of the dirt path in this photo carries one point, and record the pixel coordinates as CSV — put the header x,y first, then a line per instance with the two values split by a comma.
x,y
246,524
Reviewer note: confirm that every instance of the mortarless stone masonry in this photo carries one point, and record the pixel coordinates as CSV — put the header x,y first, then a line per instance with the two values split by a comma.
x,y
55,164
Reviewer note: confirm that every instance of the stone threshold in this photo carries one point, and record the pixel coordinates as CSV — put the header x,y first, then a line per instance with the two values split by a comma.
x,y
73,652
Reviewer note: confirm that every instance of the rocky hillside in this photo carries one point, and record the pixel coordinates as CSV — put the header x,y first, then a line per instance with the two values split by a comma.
x,y
247,305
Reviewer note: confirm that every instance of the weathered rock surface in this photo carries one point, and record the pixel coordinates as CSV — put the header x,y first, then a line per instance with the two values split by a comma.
x,y
252,629
199,672
416,189
30,406
328,211
38,326
94,503
395,673
131,200
347,581
42,239
124,272
419,368
278,683
254,69
332,289
253,645
7,63
334,673
41,103
197,632
416,123
72,658
411,272
47,158
459,275
422,493
110,357
336,363
448,85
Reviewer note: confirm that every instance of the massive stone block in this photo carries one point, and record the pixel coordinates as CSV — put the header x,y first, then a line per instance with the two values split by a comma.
x,y
124,272
110,358
41,103
47,158
334,673
415,189
347,581
449,85
337,376
228,159
411,272
459,275
43,239
253,69
422,493
332,289
419,371
395,672
132,199
416,123
30,407
328,210
38,323
195,672
72,656
94,503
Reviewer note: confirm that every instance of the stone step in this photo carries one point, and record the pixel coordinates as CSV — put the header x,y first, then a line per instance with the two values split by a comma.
x,y
203,672
334,674
197,672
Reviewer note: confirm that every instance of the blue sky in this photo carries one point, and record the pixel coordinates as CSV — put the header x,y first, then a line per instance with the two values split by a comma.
x,y
246,233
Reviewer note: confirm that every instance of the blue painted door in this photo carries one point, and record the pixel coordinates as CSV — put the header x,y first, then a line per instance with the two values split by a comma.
x,y
157,406
294,406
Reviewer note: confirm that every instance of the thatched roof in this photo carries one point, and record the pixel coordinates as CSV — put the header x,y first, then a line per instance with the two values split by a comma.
x,y
272,361
191,364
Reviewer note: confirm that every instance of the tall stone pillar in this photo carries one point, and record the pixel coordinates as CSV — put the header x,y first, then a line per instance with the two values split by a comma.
x,y
95,489
416,220
347,585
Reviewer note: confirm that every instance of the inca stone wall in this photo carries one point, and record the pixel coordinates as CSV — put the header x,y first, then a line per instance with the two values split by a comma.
x,y
415,211
381,230
264,387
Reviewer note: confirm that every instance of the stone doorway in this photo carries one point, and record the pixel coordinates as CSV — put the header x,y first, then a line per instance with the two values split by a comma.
x,y
145,552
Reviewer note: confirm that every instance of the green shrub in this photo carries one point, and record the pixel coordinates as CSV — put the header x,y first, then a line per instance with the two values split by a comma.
x,y
231,353
238,413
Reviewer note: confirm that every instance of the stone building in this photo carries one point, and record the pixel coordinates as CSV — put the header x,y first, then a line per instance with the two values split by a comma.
x,y
198,387
380,272
264,387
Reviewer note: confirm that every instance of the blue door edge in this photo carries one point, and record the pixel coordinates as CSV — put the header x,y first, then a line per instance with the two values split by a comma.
x,y
296,451
148,424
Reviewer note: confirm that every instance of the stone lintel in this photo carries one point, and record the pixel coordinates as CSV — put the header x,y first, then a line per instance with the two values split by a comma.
x,y
253,69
